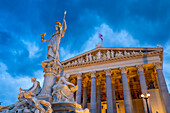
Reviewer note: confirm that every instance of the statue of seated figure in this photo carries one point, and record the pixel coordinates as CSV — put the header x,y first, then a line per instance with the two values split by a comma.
x,y
61,91
35,89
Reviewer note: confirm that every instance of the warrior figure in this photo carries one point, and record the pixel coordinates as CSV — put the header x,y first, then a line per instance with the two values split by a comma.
x,y
53,46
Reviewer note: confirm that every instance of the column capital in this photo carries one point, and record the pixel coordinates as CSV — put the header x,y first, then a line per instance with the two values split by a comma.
x,y
108,72
93,74
140,67
79,75
123,70
158,65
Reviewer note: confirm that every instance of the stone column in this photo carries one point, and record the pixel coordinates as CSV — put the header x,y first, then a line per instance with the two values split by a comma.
x,y
163,87
126,91
79,83
93,92
49,81
85,84
98,93
113,95
109,91
142,84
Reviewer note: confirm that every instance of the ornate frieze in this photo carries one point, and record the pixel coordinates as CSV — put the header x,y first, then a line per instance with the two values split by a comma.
x,y
106,54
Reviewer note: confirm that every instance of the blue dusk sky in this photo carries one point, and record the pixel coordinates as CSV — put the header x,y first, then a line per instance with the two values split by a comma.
x,y
123,23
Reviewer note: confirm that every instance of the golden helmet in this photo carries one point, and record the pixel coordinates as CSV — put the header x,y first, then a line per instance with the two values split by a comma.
x,y
58,24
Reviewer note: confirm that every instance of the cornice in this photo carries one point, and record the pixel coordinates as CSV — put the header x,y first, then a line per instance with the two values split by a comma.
x,y
112,59
115,49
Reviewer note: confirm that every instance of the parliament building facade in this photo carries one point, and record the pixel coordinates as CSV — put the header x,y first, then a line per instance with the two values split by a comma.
x,y
111,80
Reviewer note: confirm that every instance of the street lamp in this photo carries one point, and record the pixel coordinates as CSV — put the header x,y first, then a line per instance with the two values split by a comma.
x,y
146,96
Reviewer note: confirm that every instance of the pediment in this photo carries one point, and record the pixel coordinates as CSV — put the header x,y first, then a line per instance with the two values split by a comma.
x,y
108,53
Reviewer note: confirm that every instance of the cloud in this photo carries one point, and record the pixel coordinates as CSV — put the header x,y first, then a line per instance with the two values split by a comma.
x,y
10,85
111,38
33,49
67,53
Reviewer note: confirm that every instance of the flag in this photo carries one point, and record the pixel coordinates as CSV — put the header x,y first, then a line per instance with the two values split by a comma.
x,y
100,36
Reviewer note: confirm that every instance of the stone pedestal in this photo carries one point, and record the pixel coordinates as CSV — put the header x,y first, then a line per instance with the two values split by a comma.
x,y
63,108
51,70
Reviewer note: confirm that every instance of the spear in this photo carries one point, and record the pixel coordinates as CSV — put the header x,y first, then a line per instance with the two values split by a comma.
x,y
64,17
64,14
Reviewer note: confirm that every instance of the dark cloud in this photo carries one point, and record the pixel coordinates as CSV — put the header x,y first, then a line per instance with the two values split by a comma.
x,y
147,21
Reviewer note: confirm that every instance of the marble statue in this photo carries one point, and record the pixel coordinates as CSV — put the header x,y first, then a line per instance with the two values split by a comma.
x,y
98,55
16,106
79,60
39,103
53,46
104,56
126,53
94,58
27,100
119,54
108,54
87,58
35,89
76,62
61,92
112,54
90,57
